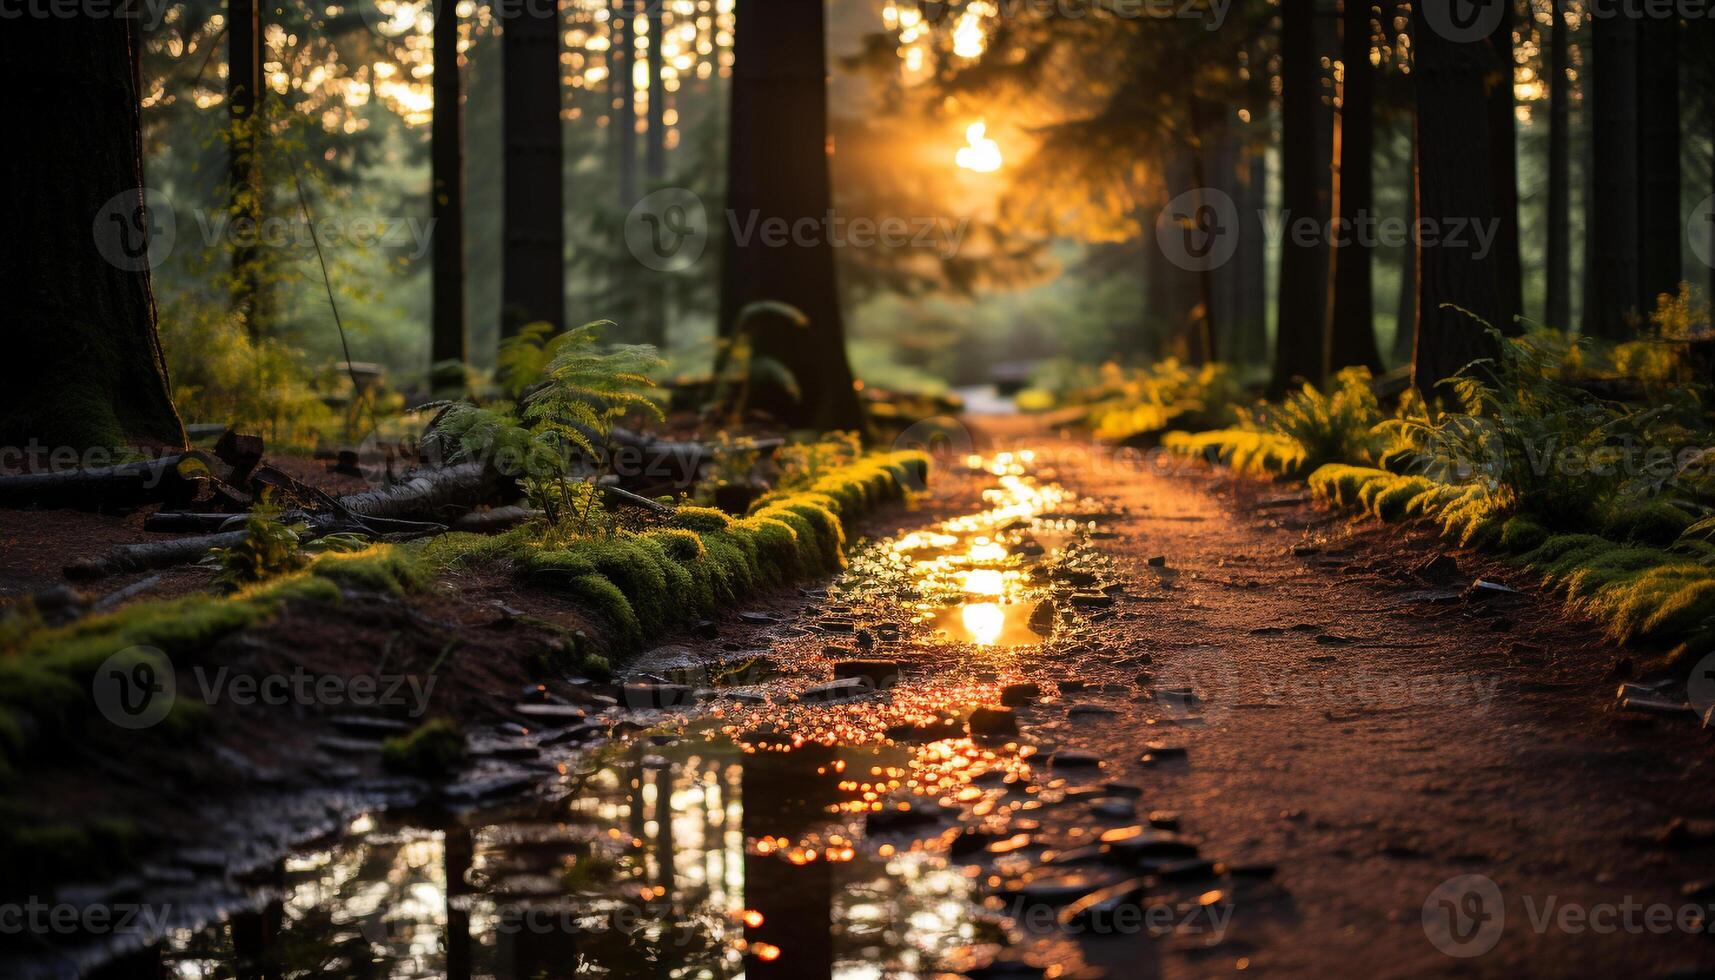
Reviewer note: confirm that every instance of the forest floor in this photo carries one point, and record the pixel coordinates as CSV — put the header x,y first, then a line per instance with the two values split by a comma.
x,y
1262,720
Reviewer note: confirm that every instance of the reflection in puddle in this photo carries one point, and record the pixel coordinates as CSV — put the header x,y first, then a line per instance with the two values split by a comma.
x,y
700,858
780,838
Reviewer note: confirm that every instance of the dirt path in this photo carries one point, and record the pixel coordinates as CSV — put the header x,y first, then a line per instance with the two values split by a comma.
x,y
1069,716
1373,738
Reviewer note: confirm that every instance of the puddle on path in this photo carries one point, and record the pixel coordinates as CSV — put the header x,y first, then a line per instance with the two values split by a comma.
x,y
777,835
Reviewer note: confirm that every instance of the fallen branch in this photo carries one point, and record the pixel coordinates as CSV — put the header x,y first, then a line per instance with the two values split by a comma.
x,y
126,485
151,555
429,494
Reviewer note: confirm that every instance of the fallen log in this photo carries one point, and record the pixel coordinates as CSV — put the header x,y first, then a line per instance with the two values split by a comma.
x,y
436,494
168,479
151,555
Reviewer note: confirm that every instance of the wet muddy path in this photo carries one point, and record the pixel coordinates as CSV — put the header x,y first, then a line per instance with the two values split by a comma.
x,y
1071,717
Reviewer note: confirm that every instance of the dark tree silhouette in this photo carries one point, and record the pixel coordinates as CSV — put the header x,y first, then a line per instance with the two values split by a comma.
x,y
777,169
447,191
88,369
1557,310
244,94
654,326
1453,188
534,252
1660,228
1503,175
1612,268
1301,340
1354,333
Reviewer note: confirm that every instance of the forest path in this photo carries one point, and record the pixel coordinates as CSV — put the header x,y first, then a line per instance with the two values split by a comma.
x,y
1073,714
1374,735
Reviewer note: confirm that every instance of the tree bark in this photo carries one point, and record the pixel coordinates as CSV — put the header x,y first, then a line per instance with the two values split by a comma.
x,y
1301,339
1353,340
244,94
1503,175
777,170
1405,331
655,169
1557,310
532,277
1660,228
624,131
447,342
1453,191
1613,266
87,364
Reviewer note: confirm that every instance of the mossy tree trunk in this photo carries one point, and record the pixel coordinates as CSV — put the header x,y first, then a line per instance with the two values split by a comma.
x,y
777,171
86,365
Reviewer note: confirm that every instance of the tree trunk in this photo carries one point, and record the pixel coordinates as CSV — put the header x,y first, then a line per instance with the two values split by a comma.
x,y
244,93
1503,175
87,365
625,101
532,276
1659,225
1453,189
1557,310
1613,267
655,169
1405,331
1353,338
1301,339
447,191
1201,343
1253,260
777,171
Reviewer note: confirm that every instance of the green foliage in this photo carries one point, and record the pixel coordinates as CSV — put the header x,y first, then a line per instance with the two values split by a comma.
x,y
1332,428
739,372
571,390
435,751
271,548
1245,450
1121,403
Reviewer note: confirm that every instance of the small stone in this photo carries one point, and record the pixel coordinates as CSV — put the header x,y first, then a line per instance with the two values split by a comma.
x,y
1163,750
879,674
1113,809
1483,589
1090,711
1014,695
1070,686
1098,908
993,722
652,695
368,726
1091,600
1074,760
1439,570
1164,819
758,618
840,690
560,713
1158,561
706,629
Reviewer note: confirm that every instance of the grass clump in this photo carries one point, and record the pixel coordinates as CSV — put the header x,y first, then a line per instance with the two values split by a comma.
x,y
434,751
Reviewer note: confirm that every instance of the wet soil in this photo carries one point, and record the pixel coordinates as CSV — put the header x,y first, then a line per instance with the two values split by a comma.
x,y
1073,716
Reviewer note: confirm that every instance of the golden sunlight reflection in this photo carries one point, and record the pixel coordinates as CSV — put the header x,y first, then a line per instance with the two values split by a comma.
x,y
985,621
982,155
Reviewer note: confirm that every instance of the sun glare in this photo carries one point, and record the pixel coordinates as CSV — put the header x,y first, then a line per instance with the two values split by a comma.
x,y
983,154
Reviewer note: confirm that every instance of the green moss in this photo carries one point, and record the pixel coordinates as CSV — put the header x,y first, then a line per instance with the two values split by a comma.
x,y
1650,522
379,568
1521,534
434,751
700,519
